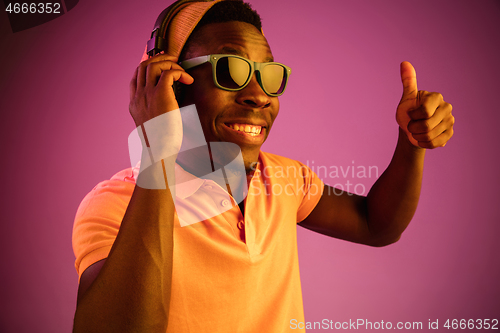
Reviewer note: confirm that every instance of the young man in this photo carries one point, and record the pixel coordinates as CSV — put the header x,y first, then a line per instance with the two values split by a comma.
x,y
143,270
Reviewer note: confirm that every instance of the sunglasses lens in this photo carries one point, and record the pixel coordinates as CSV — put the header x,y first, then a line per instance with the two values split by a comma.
x,y
274,78
232,72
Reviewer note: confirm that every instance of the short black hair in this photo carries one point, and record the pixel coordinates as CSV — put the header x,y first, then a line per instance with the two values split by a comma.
x,y
225,11
232,10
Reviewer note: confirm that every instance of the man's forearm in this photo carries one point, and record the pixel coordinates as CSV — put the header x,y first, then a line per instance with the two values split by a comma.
x,y
132,290
393,199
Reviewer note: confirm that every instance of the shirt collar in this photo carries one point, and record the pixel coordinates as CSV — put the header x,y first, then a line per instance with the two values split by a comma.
x,y
186,183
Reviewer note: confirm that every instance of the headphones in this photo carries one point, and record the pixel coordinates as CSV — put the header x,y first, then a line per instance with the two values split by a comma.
x,y
158,43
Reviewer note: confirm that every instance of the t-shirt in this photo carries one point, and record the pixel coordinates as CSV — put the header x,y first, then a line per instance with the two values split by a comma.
x,y
231,272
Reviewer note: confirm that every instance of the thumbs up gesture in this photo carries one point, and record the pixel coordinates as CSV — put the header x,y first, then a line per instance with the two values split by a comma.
x,y
424,116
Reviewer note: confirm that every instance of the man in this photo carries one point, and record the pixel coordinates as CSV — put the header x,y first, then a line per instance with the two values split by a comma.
x,y
141,270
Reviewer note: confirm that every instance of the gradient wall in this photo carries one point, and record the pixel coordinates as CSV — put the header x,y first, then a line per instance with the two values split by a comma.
x,y
64,127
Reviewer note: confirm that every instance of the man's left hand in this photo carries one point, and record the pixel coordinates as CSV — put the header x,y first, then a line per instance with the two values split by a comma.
x,y
424,116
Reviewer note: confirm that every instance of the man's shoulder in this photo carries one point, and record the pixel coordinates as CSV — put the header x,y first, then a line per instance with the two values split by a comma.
x,y
123,178
121,184
109,198
277,166
273,159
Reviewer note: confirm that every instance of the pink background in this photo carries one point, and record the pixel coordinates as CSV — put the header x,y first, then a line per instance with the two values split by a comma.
x,y
65,122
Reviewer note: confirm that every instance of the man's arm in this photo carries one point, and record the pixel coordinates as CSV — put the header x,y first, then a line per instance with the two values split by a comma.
x,y
130,290
380,218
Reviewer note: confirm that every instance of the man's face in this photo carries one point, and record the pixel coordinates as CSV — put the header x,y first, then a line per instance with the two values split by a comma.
x,y
221,111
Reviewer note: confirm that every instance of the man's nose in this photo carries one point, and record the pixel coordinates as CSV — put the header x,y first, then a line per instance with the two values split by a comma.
x,y
253,95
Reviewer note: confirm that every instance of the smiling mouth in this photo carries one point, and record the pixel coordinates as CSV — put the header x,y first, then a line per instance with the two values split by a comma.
x,y
246,128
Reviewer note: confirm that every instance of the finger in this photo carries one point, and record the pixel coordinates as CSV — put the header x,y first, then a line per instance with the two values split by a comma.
x,y
133,84
159,57
143,66
409,80
445,125
422,124
155,70
429,103
167,79
439,141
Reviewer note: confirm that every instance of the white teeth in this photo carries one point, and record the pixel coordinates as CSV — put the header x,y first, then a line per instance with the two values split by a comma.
x,y
249,129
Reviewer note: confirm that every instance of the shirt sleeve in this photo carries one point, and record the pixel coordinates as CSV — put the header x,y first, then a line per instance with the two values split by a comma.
x,y
98,220
311,192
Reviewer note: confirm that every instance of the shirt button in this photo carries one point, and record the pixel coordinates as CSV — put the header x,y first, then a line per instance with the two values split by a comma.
x,y
208,187
225,203
241,225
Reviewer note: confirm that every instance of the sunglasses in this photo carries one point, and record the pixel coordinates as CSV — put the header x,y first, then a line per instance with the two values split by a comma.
x,y
233,73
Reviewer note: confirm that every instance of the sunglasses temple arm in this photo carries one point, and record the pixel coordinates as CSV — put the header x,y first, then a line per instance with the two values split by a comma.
x,y
187,64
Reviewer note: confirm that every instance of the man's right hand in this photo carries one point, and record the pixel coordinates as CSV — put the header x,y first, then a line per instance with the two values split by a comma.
x,y
151,92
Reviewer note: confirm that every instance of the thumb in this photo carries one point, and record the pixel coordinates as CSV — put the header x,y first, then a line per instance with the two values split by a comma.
x,y
409,80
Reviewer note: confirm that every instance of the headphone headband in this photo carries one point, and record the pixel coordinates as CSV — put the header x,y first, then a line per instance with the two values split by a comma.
x,y
159,39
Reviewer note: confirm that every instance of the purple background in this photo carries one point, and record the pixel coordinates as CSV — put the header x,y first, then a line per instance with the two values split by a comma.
x,y
65,122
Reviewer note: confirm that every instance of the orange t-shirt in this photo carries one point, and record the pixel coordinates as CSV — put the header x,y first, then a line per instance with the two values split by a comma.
x,y
231,273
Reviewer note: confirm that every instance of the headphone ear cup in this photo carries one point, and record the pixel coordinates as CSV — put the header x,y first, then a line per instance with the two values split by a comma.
x,y
179,92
